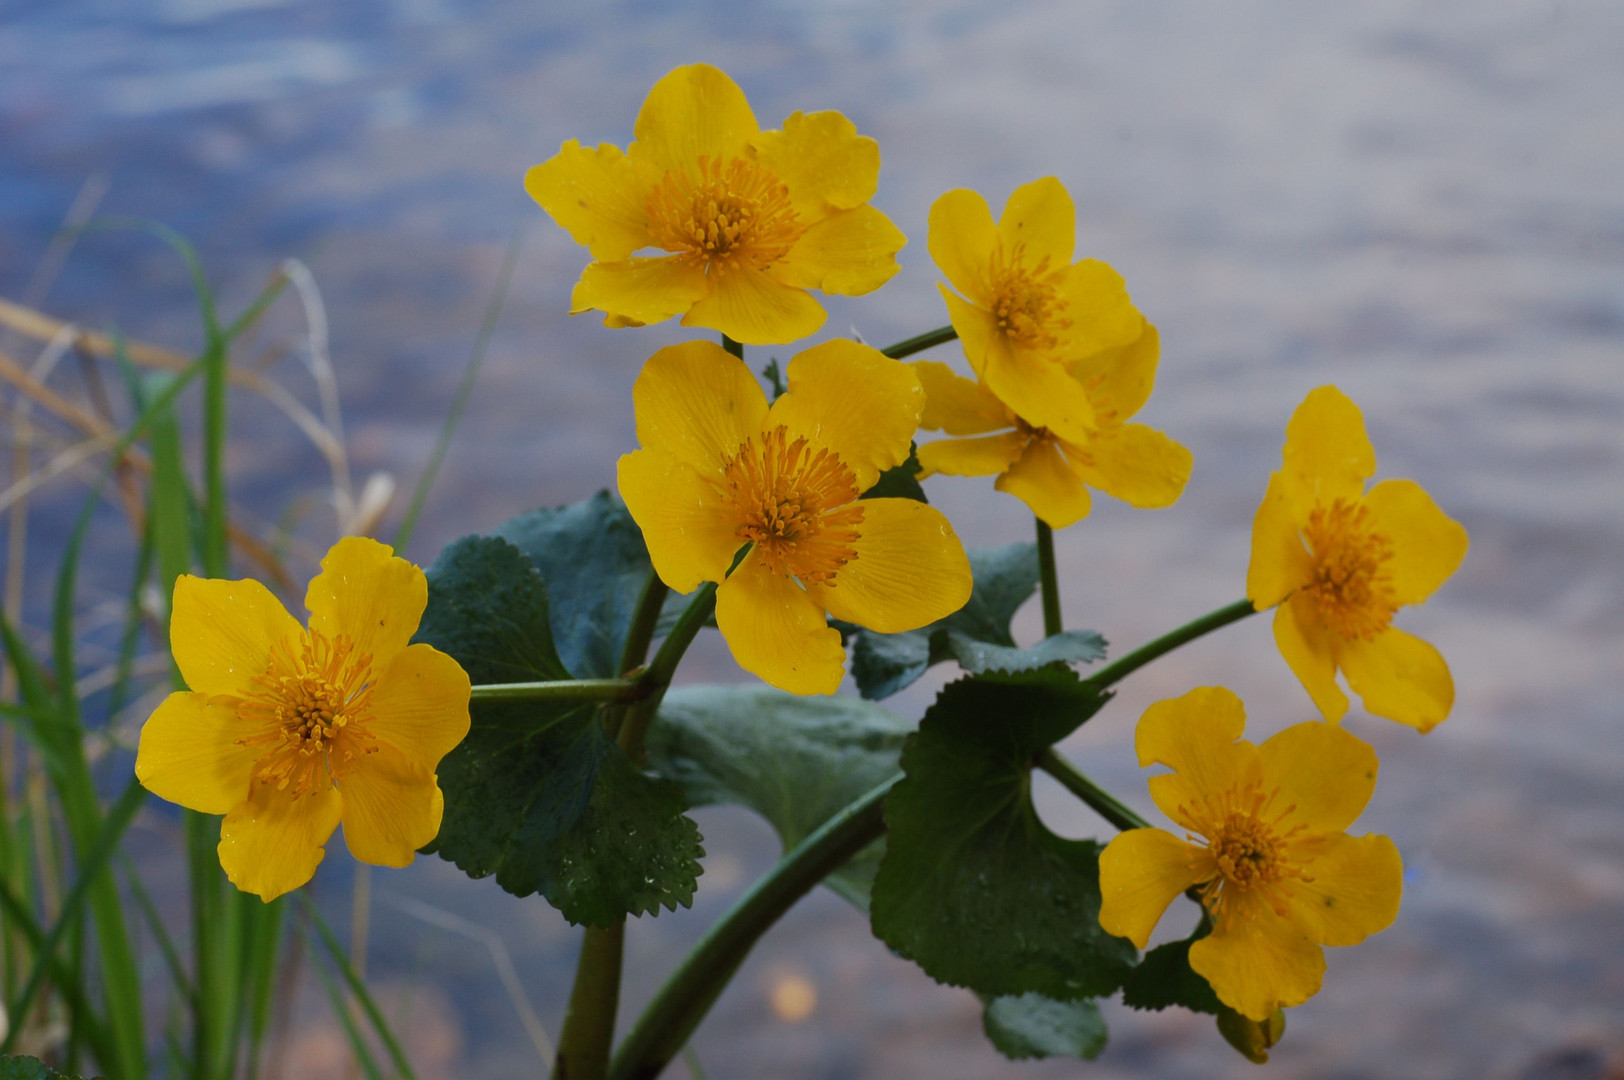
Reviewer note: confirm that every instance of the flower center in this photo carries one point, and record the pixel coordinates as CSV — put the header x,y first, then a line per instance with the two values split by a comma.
x,y
795,504
1027,301
1352,585
1246,841
310,710
734,214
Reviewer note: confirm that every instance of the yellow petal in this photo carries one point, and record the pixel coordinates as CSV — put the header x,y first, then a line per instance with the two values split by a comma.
x,y
1040,219
271,843
1141,871
691,536
1259,962
1280,563
1322,772
1119,380
1198,735
639,291
189,753
697,403
849,253
957,405
1048,484
693,112
599,195
961,240
1137,464
1399,676
776,632
392,807
1308,650
420,704
222,632
1102,316
984,456
364,591
854,400
1353,890
1036,388
1327,454
1428,545
753,307
823,161
910,569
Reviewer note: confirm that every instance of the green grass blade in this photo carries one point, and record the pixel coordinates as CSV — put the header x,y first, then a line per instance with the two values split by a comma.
x,y
62,977
155,923
357,1042
358,988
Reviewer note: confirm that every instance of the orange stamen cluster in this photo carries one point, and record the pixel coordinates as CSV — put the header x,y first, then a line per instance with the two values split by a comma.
x,y
309,710
795,504
1249,842
731,215
1351,582
1027,301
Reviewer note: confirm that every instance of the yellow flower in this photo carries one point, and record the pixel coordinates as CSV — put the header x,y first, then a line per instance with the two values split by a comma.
x,y
1027,311
719,469
1278,874
1051,474
1340,561
749,219
289,731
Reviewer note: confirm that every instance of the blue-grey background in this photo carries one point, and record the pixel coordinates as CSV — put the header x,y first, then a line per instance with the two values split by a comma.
x,y
1420,201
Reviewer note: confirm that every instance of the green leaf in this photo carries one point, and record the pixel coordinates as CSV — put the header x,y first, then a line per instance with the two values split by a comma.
x,y
1033,1026
1164,978
901,481
977,636
796,761
592,557
974,887
538,793
27,1068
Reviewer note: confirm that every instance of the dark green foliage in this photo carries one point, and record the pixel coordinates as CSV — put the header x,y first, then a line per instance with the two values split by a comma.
x,y
27,1068
1033,1026
900,482
1164,978
488,608
796,761
977,636
974,888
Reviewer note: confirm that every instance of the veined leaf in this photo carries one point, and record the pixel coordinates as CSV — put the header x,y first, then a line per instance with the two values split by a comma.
x,y
1033,1026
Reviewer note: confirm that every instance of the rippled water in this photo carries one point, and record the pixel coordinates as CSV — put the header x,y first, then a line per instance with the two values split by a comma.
x,y
1423,202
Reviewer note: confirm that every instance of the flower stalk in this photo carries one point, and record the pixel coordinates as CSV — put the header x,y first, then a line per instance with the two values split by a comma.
x,y
1052,623
1115,672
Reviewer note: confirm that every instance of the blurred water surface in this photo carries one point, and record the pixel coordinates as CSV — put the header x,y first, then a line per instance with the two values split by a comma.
x,y
1422,202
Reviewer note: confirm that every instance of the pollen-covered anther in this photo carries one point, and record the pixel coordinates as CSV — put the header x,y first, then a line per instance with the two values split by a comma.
x,y
310,710
1351,585
1027,302
1250,847
732,214
795,504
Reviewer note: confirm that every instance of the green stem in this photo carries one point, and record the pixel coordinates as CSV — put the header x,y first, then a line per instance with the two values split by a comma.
x,y
734,347
664,665
644,621
1114,673
563,690
1101,801
929,339
1051,582
665,1026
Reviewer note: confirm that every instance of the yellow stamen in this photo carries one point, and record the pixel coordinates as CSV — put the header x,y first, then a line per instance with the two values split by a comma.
x,y
310,710
1351,584
1246,840
1027,301
733,215
795,504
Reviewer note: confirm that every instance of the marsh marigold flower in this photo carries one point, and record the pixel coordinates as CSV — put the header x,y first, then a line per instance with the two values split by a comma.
x,y
289,730
1051,474
720,469
744,221
1340,561
1277,872
1025,312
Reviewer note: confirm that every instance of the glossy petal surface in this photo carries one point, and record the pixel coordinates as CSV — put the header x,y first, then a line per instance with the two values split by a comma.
x,y
1048,484
420,705
1041,221
390,808
1134,463
1354,891
776,632
849,253
598,194
640,290
855,401
1399,676
697,403
1260,963
910,569
1428,545
1324,774
271,843
956,405
365,592
825,163
961,240
690,536
189,753
222,632
694,111
1308,650
987,455
753,307
1141,872
1327,454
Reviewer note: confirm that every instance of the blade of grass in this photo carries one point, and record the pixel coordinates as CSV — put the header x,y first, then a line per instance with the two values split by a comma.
x,y
61,976
336,953
357,1042
155,923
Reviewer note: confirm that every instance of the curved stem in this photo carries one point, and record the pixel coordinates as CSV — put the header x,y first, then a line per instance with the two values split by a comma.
x,y
563,690
664,665
665,1026
644,621
919,343
1051,583
1113,673
589,1021
1098,799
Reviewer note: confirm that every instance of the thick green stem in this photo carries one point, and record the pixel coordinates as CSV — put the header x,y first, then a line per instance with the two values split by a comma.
x,y
589,1023
1051,581
929,339
1100,800
563,690
644,621
734,347
664,665
670,1019
1114,673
